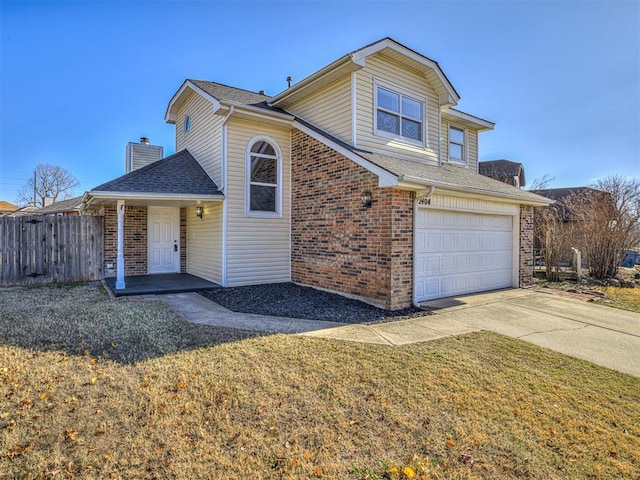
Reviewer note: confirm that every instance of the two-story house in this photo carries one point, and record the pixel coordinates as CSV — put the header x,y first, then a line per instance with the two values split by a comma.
x,y
360,179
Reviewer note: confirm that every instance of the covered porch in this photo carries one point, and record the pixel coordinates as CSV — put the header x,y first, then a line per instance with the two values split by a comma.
x,y
148,215
159,284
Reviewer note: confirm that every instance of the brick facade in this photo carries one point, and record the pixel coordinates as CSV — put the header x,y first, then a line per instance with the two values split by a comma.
x,y
337,243
135,239
526,246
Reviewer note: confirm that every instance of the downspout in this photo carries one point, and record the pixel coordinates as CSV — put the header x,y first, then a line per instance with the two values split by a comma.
x,y
420,196
439,136
223,177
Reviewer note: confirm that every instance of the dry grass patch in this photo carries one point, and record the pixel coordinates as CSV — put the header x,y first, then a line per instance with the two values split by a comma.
x,y
288,407
623,298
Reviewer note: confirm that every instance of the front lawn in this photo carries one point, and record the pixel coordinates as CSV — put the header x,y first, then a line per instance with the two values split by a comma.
x,y
474,406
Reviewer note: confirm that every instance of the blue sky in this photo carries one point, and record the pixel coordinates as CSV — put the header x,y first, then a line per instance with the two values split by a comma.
x,y
81,79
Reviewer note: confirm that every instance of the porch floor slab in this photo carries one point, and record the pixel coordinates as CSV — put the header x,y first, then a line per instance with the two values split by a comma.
x,y
160,284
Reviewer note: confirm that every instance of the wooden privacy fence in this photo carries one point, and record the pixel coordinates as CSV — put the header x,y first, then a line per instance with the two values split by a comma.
x,y
47,249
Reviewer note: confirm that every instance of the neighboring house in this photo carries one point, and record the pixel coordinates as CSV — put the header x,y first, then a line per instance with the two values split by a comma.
x,y
506,171
7,208
360,179
70,206
25,211
560,195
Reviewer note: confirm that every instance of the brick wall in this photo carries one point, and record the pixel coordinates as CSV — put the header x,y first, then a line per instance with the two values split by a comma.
x,y
337,243
526,246
135,239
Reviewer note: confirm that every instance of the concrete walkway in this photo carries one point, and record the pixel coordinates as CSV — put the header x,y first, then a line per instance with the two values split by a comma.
x,y
603,335
198,309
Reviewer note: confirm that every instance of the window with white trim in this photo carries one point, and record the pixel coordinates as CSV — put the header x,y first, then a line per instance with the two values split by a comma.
x,y
399,115
187,124
456,145
264,177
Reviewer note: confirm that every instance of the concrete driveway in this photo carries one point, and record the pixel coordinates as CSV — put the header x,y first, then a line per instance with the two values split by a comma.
x,y
603,335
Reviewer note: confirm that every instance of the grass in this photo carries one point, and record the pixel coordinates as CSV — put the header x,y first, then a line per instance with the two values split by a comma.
x,y
623,298
287,407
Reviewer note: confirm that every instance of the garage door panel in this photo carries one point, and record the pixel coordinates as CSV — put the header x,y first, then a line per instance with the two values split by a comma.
x,y
462,253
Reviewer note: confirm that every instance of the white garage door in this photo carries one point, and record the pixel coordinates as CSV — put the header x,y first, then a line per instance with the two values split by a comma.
x,y
458,253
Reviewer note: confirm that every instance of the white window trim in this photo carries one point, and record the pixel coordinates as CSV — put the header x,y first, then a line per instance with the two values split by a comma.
x,y
405,93
185,129
247,182
464,160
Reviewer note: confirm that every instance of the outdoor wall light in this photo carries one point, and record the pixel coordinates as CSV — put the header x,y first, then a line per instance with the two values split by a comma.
x,y
366,199
199,211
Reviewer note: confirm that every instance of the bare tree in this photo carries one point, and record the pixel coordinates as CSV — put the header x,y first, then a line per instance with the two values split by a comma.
x,y
540,183
555,234
608,221
50,181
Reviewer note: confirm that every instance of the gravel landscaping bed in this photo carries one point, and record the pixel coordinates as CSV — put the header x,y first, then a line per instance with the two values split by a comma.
x,y
295,301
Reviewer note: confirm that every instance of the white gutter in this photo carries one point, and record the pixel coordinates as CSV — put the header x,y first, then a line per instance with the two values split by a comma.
x,y
456,188
153,196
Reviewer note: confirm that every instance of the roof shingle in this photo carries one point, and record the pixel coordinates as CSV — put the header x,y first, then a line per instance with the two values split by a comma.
x,y
179,173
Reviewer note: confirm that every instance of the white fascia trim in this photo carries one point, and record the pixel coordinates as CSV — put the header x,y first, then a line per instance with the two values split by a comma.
x,y
414,183
480,123
359,58
152,196
170,117
385,178
261,113
310,80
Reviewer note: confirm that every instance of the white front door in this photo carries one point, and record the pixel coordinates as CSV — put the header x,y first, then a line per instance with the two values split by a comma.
x,y
163,232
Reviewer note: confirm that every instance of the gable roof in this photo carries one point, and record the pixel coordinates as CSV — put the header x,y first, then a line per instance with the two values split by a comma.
x,y
500,169
220,95
446,176
179,173
68,205
357,59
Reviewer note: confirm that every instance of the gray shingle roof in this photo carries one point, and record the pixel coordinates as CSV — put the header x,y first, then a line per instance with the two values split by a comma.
x,y
179,173
450,175
444,175
225,93
62,206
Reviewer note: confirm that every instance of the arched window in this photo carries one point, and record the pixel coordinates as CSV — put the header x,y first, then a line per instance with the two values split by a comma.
x,y
264,177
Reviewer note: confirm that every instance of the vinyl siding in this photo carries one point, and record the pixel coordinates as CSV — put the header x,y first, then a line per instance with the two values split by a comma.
x,y
139,155
471,144
204,138
258,249
204,242
329,109
386,70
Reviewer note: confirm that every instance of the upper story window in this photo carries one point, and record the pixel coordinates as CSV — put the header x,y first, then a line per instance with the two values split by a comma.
x,y
399,115
264,178
187,123
456,145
